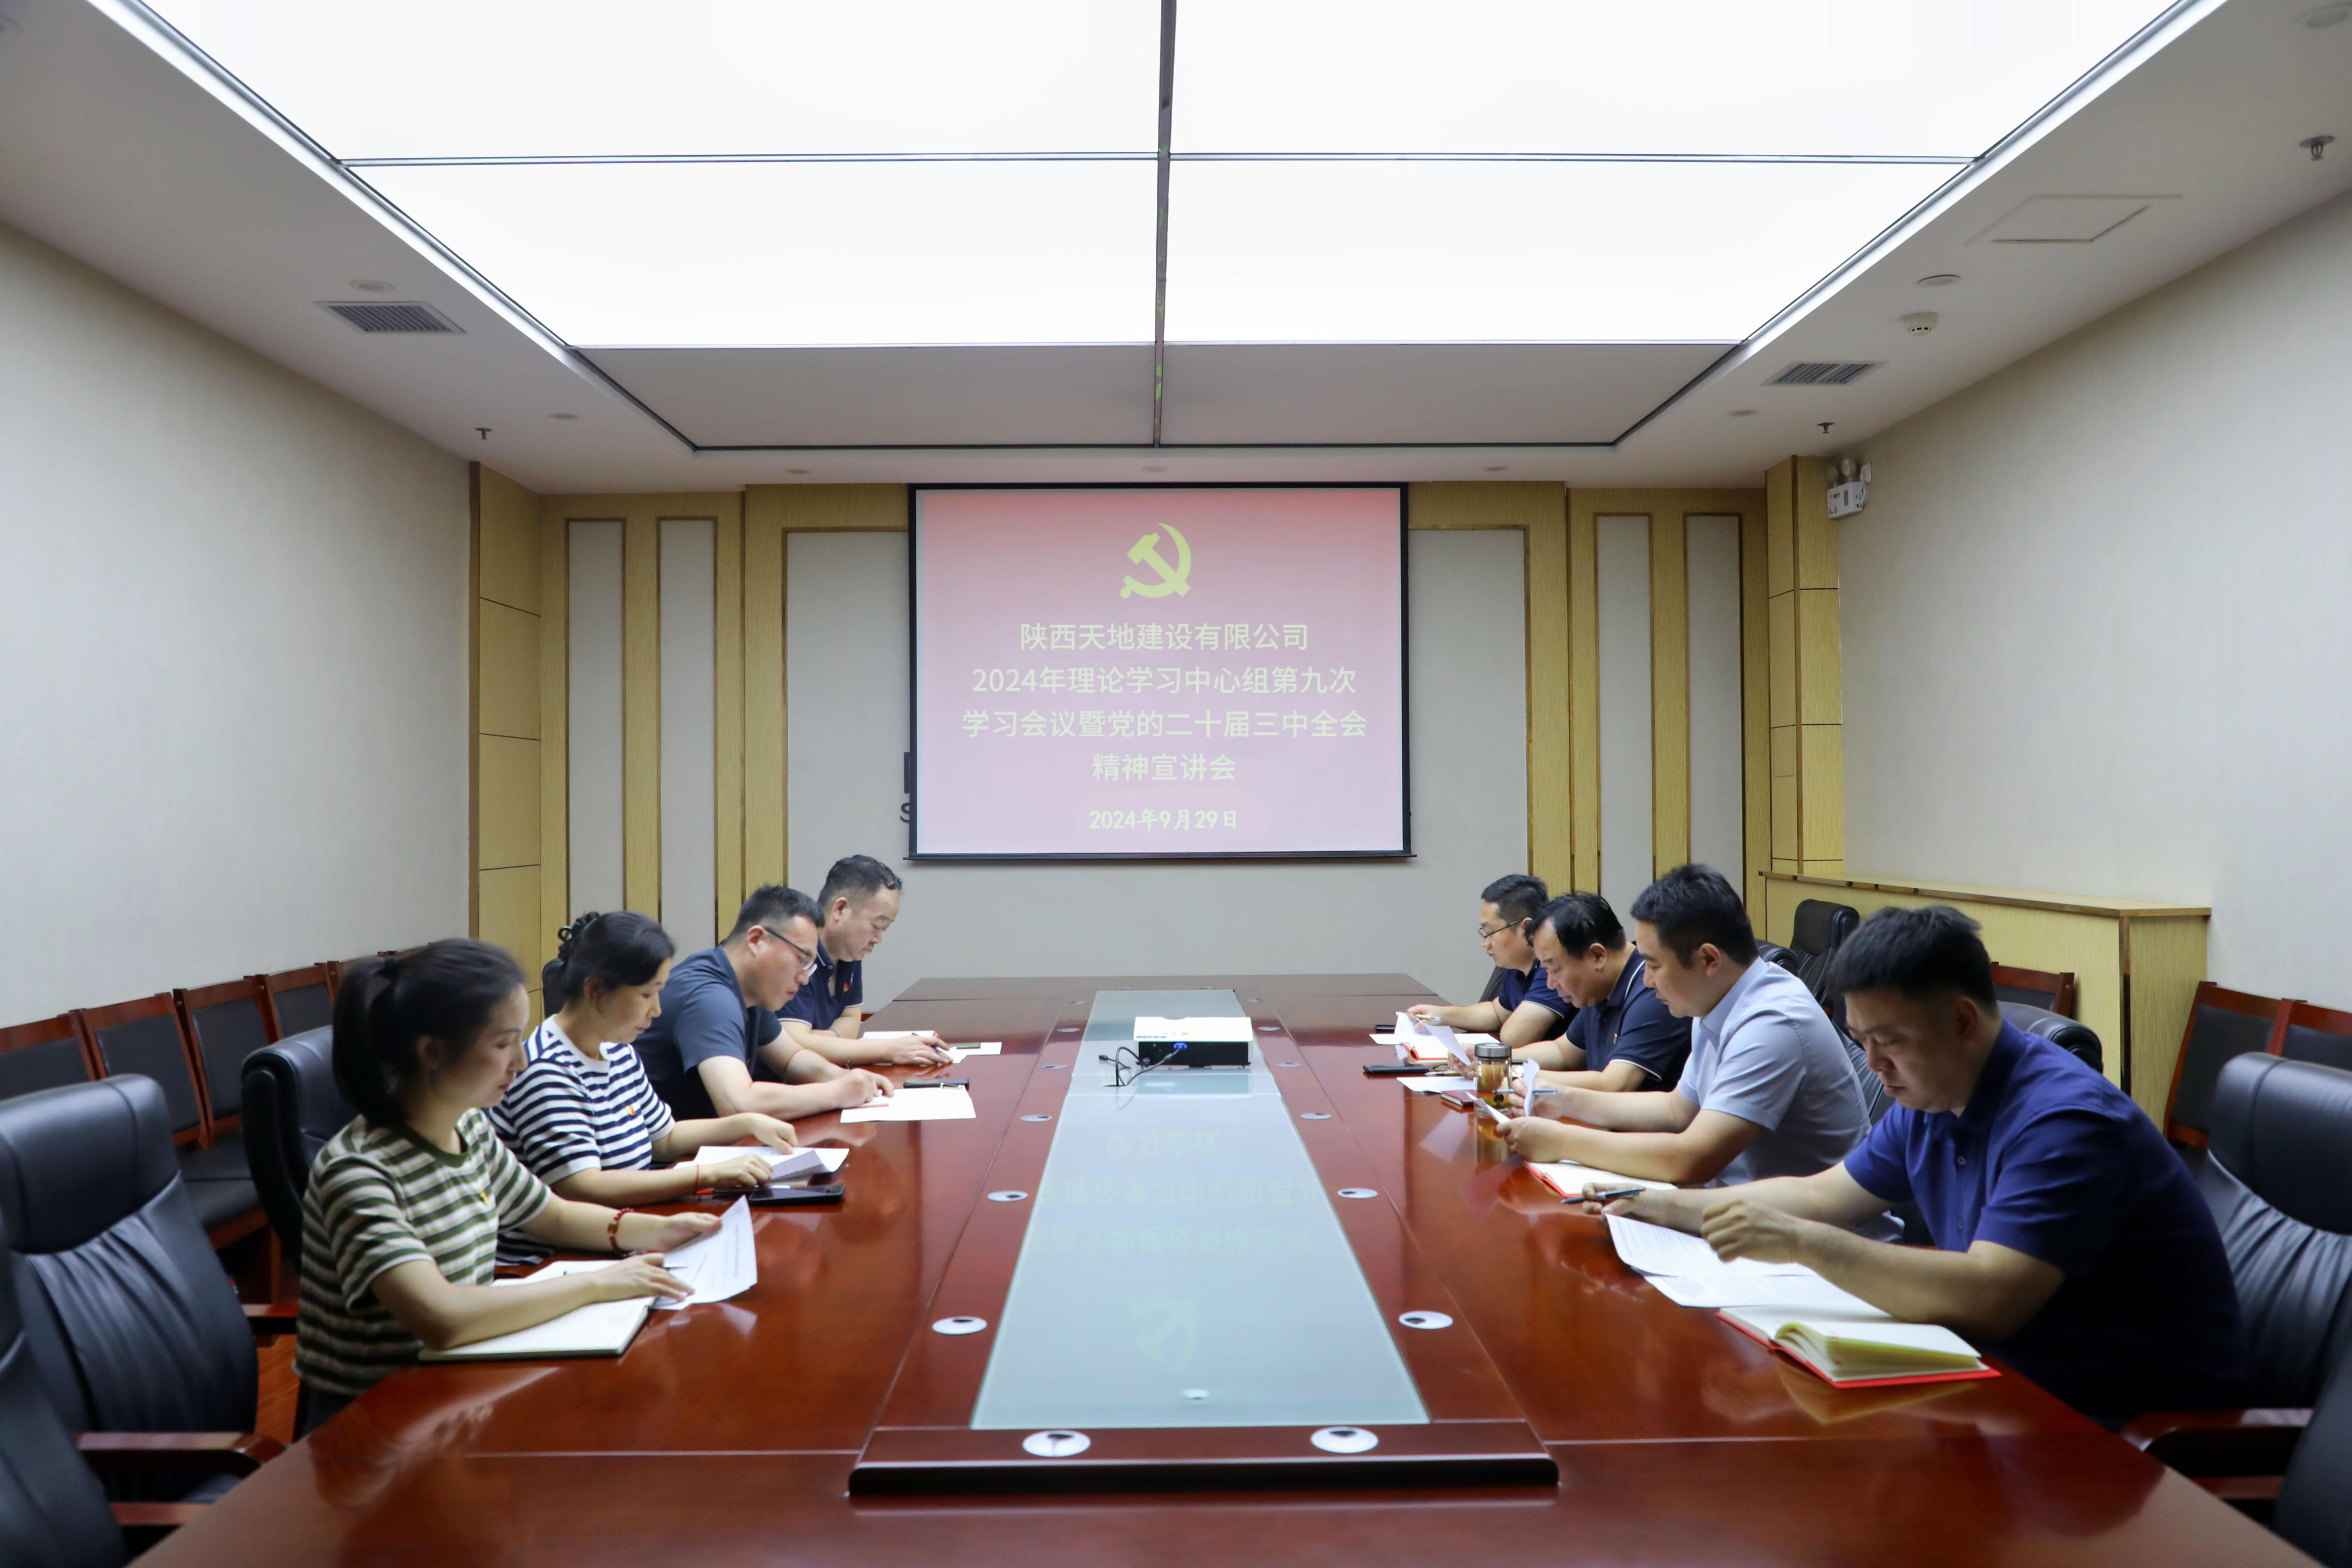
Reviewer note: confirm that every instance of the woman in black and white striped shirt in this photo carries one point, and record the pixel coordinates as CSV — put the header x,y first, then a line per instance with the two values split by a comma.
x,y
582,1116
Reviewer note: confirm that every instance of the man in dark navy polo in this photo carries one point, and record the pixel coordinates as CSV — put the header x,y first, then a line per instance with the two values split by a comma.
x,y
1524,1008
1624,1035
2069,1240
859,903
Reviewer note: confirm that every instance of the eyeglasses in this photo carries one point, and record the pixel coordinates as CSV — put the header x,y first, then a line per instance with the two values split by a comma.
x,y
807,958
1499,928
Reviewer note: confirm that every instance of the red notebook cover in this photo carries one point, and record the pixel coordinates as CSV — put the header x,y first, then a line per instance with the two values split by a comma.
x,y
1782,1351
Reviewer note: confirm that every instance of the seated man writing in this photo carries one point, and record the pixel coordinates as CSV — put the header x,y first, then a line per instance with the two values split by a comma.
x,y
1624,1035
2069,1238
859,902
719,1013
1524,1008
1769,1089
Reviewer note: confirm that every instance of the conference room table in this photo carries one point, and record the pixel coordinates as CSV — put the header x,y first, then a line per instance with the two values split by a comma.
x,y
729,1433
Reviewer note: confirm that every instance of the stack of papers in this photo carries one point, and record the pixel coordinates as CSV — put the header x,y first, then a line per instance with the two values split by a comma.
x,y
982,1048
783,1164
722,1264
915,1104
1685,1271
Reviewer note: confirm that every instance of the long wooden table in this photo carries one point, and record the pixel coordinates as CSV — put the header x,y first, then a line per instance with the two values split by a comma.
x,y
726,1433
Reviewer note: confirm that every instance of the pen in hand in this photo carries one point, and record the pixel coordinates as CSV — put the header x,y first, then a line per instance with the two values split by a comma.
x,y
1606,1196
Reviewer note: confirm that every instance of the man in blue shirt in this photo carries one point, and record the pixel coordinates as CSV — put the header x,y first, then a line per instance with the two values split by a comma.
x,y
1524,1008
1769,1089
1624,1035
2070,1240
859,902
718,1014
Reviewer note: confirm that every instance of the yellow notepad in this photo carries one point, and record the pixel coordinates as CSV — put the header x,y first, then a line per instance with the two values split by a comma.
x,y
1860,1350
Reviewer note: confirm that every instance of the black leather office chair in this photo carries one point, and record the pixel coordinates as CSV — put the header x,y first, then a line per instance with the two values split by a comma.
x,y
131,1320
2278,1174
2278,1177
291,1108
1814,937
2067,1033
53,1511
2314,1500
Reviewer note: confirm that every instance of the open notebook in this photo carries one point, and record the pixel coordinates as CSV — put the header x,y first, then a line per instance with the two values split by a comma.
x,y
1852,1351
600,1328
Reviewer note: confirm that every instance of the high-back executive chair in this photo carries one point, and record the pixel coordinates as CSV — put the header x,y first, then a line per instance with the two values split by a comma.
x,y
292,1107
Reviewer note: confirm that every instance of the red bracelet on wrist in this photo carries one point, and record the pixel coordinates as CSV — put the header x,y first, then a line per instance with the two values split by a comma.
x,y
612,1231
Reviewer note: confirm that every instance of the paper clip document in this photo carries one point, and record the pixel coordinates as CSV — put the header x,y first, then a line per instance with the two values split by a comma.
x,y
917,1105
783,1164
723,1264
1649,1248
600,1328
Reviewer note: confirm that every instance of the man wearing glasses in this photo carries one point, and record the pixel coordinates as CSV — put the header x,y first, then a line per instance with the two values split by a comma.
x,y
718,1016
1522,1008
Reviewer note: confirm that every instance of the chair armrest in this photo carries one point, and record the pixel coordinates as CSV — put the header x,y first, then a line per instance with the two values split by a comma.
x,y
146,1523
269,1317
2219,1442
176,1453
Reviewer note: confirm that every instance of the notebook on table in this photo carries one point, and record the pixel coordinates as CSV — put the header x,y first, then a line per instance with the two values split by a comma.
x,y
600,1328
1853,1351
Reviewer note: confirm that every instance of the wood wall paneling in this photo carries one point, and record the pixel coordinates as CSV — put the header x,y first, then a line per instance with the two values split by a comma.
x,y
1804,686
1669,689
1584,690
1755,709
727,631
641,714
555,726
504,701
1537,510
763,686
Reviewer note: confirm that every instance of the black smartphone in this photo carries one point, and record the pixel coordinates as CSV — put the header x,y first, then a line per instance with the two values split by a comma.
x,y
830,1193
1396,1069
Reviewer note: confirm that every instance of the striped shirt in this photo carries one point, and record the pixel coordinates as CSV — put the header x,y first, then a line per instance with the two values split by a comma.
x,y
380,1198
564,1114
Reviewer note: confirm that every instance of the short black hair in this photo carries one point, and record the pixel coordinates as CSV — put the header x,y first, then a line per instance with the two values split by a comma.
x,y
1696,904
856,878
1516,898
1580,920
1925,954
773,908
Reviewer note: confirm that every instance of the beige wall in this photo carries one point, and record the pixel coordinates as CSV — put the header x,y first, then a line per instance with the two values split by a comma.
x,y
232,613
2095,620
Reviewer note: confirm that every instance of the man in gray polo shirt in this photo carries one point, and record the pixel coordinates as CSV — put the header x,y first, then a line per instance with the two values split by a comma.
x,y
1770,1089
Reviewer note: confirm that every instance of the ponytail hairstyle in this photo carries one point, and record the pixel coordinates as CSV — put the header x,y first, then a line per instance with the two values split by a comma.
x,y
619,949
447,990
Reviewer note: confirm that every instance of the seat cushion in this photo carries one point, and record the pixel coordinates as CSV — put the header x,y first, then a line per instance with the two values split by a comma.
x,y
224,1162
218,1203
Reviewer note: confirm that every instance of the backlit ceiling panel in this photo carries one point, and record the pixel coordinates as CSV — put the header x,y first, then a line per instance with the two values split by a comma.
x,y
743,172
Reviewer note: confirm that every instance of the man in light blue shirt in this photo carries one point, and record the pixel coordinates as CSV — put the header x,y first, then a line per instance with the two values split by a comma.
x,y
1770,1089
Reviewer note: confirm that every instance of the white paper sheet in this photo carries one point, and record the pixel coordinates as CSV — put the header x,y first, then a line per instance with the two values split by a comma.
x,y
719,1265
783,1164
1806,1292
1654,1249
982,1048
1568,1178
917,1105
1431,1085
600,1328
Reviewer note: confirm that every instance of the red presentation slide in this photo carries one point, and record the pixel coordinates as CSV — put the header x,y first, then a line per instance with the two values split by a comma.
x,y
1161,672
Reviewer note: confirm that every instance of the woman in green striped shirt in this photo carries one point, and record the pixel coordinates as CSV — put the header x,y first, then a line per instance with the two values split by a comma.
x,y
401,1220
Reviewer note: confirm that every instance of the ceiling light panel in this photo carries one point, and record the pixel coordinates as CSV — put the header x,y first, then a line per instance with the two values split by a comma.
x,y
805,254
1267,251
1778,76
557,78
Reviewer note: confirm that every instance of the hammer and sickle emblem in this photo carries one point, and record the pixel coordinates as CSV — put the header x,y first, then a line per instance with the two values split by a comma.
x,y
1172,579
1171,1333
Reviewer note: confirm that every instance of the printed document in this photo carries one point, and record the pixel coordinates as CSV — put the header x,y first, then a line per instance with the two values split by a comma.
x,y
917,1105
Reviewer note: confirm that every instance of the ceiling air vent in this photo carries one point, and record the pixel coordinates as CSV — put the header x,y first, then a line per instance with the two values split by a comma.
x,y
391,316
1824,373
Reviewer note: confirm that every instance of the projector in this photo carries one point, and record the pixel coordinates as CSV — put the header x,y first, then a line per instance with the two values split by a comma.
x,y
1193,1042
